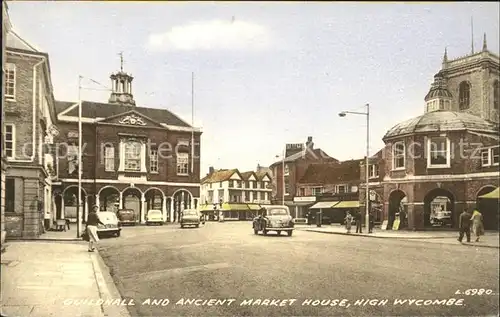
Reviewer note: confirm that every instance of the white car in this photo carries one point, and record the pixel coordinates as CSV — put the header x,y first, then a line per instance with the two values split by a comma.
x,y
154,217
111,224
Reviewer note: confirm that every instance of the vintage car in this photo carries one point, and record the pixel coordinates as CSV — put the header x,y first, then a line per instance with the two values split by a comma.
x,y
154,216
190,217
111,224
273,218
126,217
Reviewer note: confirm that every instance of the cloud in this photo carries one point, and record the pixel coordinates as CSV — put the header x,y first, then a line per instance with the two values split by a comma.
x,y
212,35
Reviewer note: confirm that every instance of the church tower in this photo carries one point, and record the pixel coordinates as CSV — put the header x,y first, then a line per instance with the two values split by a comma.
x,y
473,83
121,83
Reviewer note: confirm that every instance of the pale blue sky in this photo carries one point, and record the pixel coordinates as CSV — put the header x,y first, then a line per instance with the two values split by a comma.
x,y
276,74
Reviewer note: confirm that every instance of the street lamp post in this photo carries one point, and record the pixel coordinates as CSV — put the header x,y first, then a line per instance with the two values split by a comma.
x,y
367,160
282,176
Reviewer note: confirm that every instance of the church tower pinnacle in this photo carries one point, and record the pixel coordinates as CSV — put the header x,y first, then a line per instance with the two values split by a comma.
x,y
485,46
121,83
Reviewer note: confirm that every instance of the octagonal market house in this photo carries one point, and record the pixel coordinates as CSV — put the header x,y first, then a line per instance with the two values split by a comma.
x,y
442,160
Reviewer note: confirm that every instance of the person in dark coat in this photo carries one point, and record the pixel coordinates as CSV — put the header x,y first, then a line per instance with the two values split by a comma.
x,y
464,223
372,221
357,218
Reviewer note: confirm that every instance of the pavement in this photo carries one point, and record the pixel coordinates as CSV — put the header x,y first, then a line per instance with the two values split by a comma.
x,y
223,269
43,279
489,240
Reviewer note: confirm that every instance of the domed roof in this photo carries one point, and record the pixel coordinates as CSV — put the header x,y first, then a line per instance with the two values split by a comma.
x,y
442,121
438,88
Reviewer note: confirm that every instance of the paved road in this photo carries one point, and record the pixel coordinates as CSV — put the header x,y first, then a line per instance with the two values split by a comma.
x,y
227,261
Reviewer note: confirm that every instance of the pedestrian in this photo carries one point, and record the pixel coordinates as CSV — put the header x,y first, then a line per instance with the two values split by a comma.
x,y
92,222
464,222
357,218
477,224
348,222
372,221
67,224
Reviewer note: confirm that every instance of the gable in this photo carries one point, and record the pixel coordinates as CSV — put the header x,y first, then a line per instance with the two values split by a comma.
x,y
131,118
235,176
266,178
252,178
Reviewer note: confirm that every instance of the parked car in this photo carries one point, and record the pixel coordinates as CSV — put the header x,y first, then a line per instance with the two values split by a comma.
x,y
190,217
154,216
111,224
441,218
273,218
126,217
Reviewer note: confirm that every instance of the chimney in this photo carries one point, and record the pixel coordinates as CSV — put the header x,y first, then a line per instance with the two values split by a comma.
x,y
211,170
309,143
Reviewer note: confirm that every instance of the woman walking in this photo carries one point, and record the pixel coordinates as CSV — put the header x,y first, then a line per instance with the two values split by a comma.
x,y
92,222
477,224
348,222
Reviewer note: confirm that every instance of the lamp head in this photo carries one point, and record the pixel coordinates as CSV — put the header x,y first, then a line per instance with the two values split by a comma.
x,y
342,114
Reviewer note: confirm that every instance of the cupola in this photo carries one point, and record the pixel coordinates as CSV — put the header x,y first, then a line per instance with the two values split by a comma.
x,y
438,97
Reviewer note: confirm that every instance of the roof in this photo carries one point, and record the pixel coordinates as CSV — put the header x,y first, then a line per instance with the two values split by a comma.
x,y
262,174
246,175
93,110
438,88
13,40
313,153
219,176
332,173
437,121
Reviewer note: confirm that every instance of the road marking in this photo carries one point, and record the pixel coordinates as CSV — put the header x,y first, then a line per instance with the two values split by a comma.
x,y
176,271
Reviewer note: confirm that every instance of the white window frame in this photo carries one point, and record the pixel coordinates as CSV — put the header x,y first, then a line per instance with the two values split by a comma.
x,y
430,153
109,158
182,165
10,68
373,171
317,190
287,170
489,156
12,142
337,189
153,162
128,159
396,157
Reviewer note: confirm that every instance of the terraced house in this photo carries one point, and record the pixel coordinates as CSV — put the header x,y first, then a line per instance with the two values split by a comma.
x,y
238,195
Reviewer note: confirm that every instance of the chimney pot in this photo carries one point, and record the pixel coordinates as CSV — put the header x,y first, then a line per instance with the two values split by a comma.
x,y
210,170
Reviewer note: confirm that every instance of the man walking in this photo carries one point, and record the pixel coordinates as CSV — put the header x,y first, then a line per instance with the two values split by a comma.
x,y
357,218
464,224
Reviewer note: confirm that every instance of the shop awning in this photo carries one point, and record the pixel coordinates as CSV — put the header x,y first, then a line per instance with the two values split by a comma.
x,y
208,207
347,204
235,207
492,195
323,205
254,206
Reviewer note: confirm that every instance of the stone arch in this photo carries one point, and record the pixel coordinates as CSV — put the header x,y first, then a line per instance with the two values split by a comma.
x,y
70,202
133,201
437,201
107,186
397,199
152,201
181,201
108,201
489,208
73,186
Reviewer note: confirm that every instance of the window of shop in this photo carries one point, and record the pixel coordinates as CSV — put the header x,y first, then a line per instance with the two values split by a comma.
x,y
317,191
182,164
302,191
133,156
109,158
439,152
287,189
10,194
490,156
398,156
231,184
341,189
373,171
153,161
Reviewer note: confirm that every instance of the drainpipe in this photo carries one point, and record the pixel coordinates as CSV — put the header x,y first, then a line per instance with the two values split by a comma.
x,y
34,148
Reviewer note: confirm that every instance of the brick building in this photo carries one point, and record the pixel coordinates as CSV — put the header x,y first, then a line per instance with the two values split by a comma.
x,y
6,26
237,194
28,126
133,157
329,188
442,161
287,172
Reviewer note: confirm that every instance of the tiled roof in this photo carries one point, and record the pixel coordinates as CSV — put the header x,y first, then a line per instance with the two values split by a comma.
x,y
219,176
313,154
104,110
442,121
332,173
246,175
262,174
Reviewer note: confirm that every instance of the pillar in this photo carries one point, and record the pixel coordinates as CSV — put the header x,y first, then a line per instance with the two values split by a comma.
x,y
62,206
97,201
164,208
143,208
120,206
172,209
296,211
86,208
181,209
